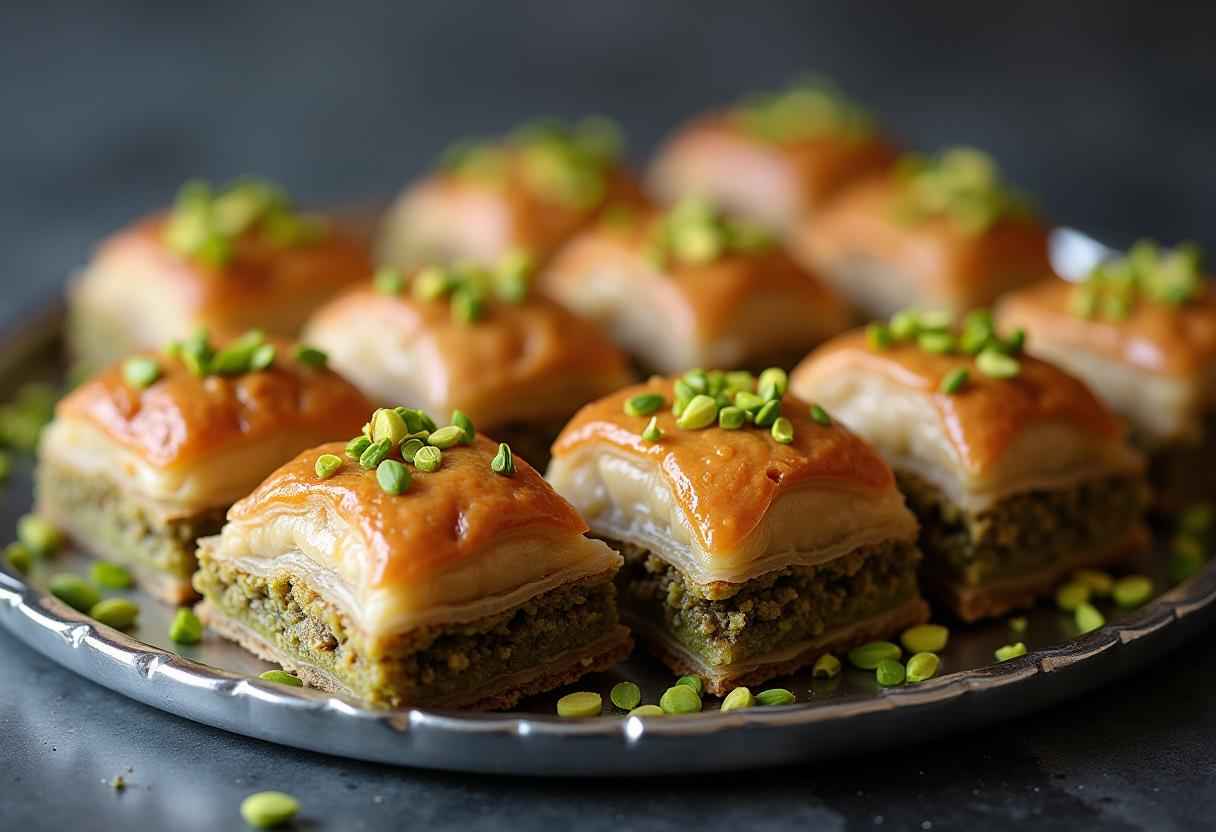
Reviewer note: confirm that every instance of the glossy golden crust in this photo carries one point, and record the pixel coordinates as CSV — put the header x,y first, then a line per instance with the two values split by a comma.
x,y
949,268
985,418
1155,337
738,310
774,183
726,481
527,362
182,418
451,515
269,286
447,217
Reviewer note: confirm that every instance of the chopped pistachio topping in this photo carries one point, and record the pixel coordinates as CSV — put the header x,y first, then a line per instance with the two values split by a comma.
x,y
1145,273
652,432
247,354
110,575
954,381
565,164
625,695
879,336
311,357
411,447
732,418
962,183
694,682
1132,591
738,699
118,613
266,810
281,677
680,699
186,628
375,453
997,365
867,656
890,673
827,666
446,437
773,383
644,404
580,704
1010,651
140,372
922,666
820,416
783,431
647,710
38,535
1100,583
327,465
808,109
356,447
694,232
1071,595
775,696
19,557
388,424
388,280
426,458
205,225
393,476
74,591
768,414
1088,618
925,638
504,461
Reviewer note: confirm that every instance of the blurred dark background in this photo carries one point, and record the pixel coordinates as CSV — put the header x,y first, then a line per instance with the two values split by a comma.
x,y
1105,111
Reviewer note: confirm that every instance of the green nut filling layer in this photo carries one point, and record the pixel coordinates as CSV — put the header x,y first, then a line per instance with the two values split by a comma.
x,y
1021,533
95,510
776,610
423,666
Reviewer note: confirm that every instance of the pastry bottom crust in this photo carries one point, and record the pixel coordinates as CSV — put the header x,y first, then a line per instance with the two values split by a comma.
x,y
972,603
504,693
721,680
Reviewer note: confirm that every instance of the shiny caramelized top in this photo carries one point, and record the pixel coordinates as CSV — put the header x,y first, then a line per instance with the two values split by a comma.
x,y
1165,338
449,515
181,417
712,292
515,348
260,272
946,260
726,480
819,165
987,415
538,222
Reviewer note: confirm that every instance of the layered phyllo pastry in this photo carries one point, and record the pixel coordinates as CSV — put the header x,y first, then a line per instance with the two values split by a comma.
x,y
944,233
1018,474
474,340
226,260
772,159
690,287
758,533
532,189
414,567
1141,332
144,459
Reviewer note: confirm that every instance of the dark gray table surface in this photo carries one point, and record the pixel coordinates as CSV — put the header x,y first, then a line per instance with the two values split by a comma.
x,y
1104,111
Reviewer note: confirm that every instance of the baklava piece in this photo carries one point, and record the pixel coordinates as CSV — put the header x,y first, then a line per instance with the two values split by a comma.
x,y
943,234
1141,332
1018,474
144,459
229,261
757,534
691,288
531,190
774,159
437,572
474,340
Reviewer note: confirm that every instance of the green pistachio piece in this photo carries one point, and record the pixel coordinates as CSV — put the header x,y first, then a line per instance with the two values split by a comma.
x,y
625,695
652,432
701,412
446,437
644,404
118,613
783,431
426,458
768,414
580,705
266,810
140,372
504,461
775,696
327,465
731,418
922,666
186,628
738,699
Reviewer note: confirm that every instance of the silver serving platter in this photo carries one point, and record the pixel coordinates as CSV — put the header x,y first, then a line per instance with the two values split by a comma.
x,y
215,682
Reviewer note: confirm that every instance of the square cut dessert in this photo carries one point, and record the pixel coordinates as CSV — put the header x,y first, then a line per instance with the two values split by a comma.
x,y
773,159
476,340
531,190
145,458
944,234
690,288
757,534
415,576
229,261
1018,474
1141,332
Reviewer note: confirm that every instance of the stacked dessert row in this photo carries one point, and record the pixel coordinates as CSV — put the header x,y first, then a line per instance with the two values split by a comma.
x,y
361,505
